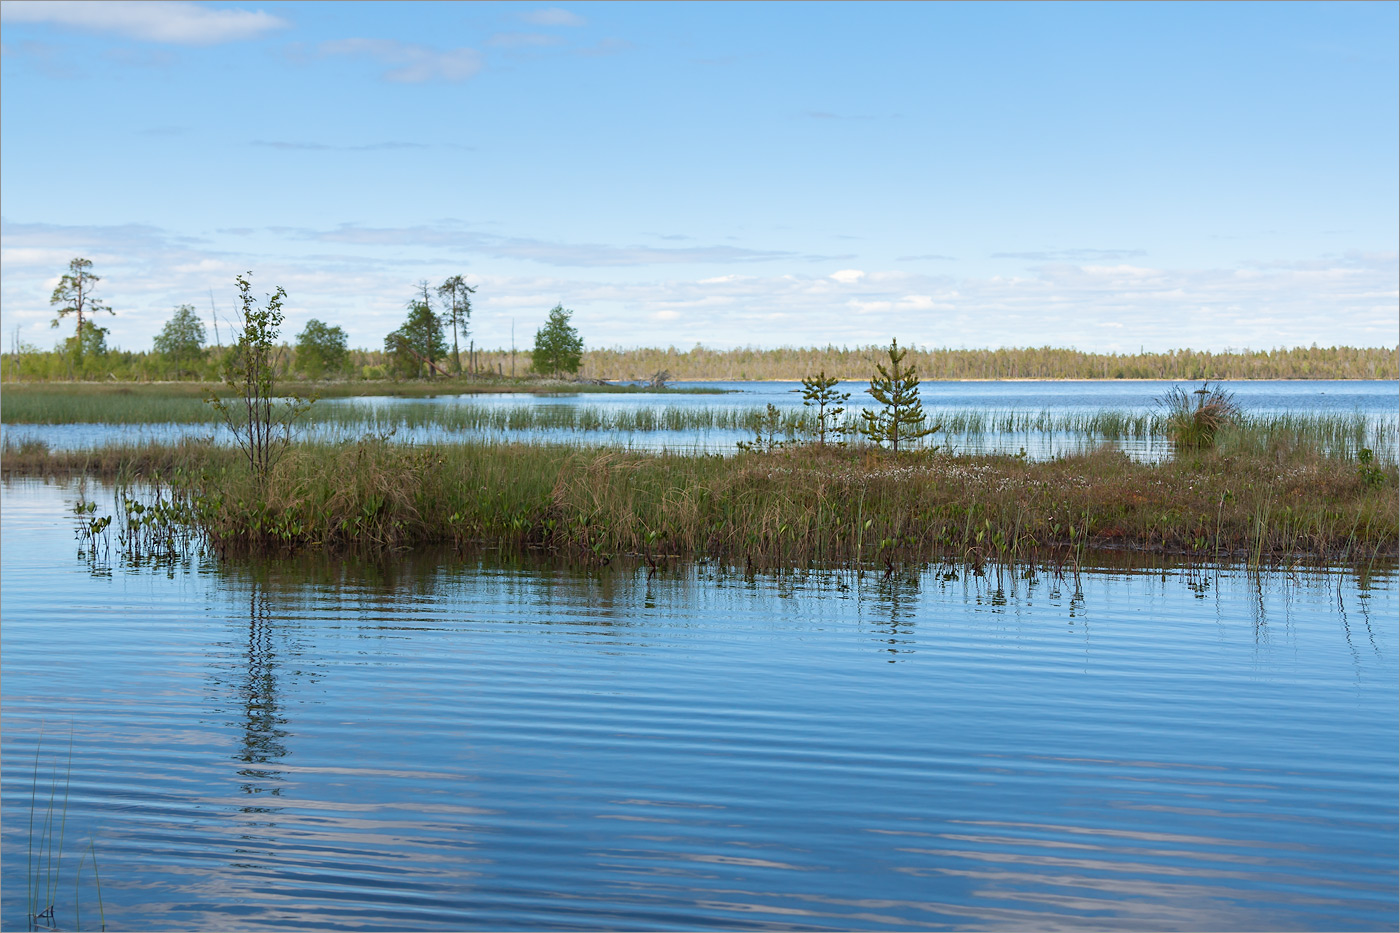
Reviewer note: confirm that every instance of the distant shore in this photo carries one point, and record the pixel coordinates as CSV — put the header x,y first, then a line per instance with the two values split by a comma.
x,y
490,370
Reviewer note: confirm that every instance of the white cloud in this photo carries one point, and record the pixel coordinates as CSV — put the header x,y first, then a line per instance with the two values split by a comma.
x,y
169,21
553,16
848,276
359,282
412,64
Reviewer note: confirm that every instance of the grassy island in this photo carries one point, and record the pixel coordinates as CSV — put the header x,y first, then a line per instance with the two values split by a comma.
x,y
1264,504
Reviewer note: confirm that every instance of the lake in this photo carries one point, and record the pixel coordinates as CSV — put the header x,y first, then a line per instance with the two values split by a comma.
x,y
441,743
1374,401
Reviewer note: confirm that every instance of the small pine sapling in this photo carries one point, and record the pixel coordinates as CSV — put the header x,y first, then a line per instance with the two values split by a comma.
x,y
819,390
765,432
902,418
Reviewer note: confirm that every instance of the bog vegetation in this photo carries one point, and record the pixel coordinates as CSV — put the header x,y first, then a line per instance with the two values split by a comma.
x,y
786,507
821,484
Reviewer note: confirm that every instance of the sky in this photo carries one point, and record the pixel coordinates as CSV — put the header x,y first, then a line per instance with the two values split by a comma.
x,y
1109,177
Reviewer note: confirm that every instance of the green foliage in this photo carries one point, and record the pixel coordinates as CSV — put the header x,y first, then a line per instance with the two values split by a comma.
x,y
558,346
73,295
261,426
765,434
417,346
89,349
321,349
820,390
182,339
456,297
1194,419
897,389
1368,470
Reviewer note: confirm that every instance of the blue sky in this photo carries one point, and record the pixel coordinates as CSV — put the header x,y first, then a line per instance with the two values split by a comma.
x,y
1102,176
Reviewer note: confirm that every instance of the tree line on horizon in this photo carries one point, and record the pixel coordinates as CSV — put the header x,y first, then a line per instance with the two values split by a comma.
x,y
418,349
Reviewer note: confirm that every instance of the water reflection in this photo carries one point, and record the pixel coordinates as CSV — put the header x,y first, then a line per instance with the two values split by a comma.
x,y
896,596
516,743
263,737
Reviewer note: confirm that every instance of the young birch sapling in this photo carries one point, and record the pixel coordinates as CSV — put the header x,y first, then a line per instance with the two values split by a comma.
x,y
261,425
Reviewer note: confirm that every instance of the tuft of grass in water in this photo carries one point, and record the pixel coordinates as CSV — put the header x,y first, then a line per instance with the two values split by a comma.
x,y
1193,419
45,851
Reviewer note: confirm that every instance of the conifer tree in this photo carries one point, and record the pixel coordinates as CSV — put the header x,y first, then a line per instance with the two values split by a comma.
x,y
820,390
902,418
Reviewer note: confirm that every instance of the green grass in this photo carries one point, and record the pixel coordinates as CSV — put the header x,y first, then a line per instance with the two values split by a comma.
x,y
1333,434
797,507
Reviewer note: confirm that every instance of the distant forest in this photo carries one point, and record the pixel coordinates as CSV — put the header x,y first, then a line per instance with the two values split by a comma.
x,y
702,364
1021,363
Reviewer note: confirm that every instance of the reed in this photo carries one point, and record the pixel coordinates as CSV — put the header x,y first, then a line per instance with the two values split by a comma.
x,y
44,859
1337,434
791,507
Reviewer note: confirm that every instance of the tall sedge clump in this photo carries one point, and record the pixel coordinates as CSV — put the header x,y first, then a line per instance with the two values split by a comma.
x,y
1193,419
820,390
902,418
261,427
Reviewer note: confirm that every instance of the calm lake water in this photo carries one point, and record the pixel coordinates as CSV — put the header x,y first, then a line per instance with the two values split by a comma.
x,y
446,744
1377,401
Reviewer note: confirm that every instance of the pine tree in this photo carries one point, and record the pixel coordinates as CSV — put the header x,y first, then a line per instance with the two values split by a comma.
x,y
897,389
820,390
73,295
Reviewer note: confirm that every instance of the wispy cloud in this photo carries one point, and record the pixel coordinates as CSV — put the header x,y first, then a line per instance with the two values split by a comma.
x,y
587,255
328,147
1074,255
921,257
410,63
553,16
168,21
830,115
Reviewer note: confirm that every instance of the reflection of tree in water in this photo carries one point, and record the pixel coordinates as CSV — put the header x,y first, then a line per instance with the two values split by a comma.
x,y
262,742
896,595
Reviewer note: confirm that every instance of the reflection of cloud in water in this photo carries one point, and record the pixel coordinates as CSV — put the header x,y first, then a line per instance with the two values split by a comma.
x,y
473,743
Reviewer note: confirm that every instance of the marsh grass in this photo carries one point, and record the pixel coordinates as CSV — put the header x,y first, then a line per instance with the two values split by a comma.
x,y
1335,434
790,507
